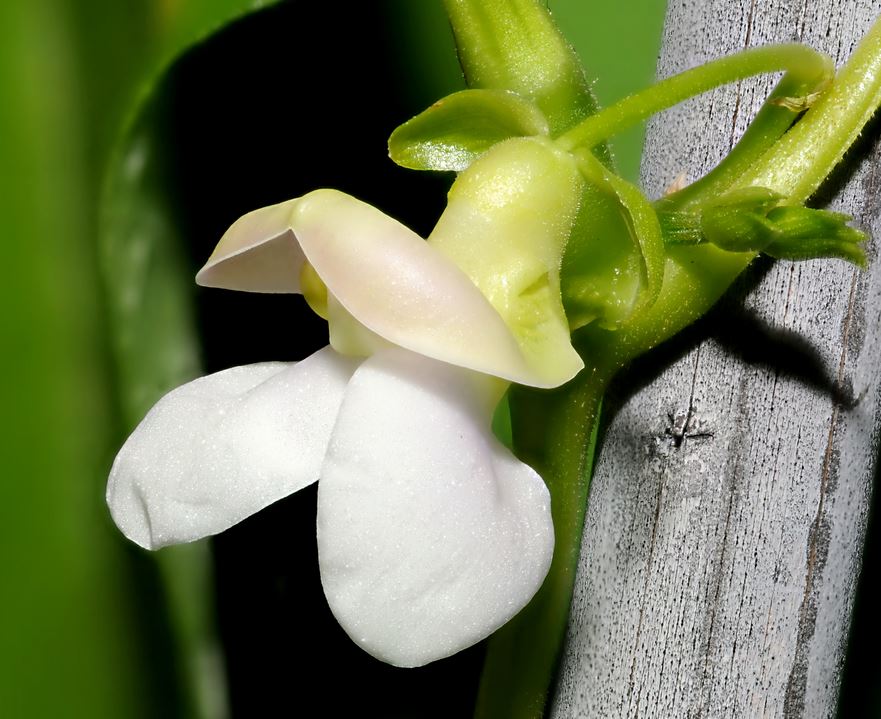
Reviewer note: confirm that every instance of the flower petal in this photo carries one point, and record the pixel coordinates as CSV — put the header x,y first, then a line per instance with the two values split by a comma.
x,y
222,447
259,253
431,535
406,292
385,277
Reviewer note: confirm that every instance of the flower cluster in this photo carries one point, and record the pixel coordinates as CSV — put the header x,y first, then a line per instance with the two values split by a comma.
x,y
431,534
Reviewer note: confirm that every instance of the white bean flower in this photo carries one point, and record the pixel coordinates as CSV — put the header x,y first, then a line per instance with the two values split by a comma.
x,y
431,534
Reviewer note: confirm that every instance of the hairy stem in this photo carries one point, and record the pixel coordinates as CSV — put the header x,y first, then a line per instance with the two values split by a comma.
x,y
806,67
555,432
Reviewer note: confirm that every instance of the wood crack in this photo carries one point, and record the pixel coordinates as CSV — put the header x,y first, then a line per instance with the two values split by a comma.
x,y
648,574
796,685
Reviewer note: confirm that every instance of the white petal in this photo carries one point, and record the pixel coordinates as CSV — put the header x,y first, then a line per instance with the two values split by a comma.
x,y
431,535
218,449
258,253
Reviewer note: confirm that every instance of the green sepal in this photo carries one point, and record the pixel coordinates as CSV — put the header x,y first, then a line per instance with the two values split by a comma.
x,y
614,263
456,130
680,227
806,234
752,220
737,221
733,218
645,229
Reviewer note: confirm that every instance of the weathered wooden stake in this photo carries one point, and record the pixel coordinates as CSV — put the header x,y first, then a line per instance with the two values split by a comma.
x,y
726,521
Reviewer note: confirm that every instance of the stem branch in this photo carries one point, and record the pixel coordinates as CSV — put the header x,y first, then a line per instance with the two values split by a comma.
x,y
806,66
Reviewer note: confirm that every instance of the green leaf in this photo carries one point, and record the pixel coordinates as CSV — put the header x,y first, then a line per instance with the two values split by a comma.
x,y
456,130
149,289
71,618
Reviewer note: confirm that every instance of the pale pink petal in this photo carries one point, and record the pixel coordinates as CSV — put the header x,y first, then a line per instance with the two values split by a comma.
x,y
408,293
259,253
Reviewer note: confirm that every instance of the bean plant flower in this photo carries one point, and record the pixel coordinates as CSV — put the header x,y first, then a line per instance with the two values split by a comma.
x,y
431,534
546,271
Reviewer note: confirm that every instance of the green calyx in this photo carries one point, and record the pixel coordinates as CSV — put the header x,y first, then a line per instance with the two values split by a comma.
x,y
754,220
803,233
614,263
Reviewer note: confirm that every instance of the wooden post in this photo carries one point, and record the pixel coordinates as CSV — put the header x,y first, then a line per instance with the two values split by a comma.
x,y
726,521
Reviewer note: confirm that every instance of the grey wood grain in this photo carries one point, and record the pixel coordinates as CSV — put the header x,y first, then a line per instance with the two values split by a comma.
x,y
725,525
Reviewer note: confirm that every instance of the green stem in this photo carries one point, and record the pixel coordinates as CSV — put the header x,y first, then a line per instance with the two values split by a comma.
x,y
774,118
795,166
515,45
807,154
806,69
555,432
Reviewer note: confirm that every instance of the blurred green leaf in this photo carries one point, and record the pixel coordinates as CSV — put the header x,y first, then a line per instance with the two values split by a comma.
x,y
73,641
155,348
150,301
84,632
